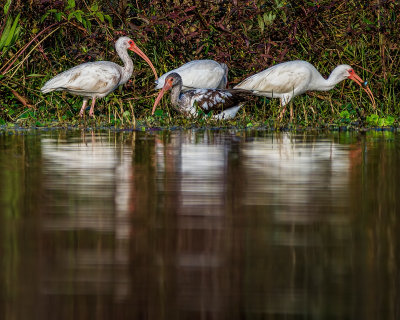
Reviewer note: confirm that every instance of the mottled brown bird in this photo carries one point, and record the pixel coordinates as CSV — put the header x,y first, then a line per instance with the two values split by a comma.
x,y
223,103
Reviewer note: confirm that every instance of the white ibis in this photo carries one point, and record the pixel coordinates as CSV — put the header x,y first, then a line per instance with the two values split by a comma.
x,y
289,79
97,79
224,103
199,74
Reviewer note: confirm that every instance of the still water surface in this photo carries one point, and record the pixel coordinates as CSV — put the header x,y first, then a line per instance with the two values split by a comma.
x,y
199,225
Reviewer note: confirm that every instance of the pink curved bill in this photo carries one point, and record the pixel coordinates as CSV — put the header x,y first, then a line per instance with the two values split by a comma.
x,y
167,86
135,49
363,85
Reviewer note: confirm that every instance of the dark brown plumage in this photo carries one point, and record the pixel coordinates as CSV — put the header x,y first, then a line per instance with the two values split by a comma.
x,y
224,103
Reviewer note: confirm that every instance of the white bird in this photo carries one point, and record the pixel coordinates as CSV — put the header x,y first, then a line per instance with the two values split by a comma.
x,y
97,79
196,74
224,103
289,79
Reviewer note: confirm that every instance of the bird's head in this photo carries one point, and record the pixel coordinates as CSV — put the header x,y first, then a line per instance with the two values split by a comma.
x,y
345,71
128,44
172,80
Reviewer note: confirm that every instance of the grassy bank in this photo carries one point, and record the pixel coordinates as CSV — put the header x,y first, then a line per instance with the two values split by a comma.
x,y
42,38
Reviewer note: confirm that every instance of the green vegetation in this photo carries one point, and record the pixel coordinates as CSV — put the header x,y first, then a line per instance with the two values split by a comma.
x,y
40,38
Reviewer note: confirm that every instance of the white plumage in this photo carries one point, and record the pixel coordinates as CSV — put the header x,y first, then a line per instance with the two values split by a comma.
x,y
94,80
289,79
207,74
87,79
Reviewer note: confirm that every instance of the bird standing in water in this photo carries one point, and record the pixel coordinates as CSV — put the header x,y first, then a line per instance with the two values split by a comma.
x,y
97,79
223,103
289,79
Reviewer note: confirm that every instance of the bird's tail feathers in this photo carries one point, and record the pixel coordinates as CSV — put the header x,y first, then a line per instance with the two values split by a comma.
x,y
53,84
45,89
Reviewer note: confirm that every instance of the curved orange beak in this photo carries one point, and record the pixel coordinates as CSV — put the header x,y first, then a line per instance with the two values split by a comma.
x,y
135,49
353,76
167,86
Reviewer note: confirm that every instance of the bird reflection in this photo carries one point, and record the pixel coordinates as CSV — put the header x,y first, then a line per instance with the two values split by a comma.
x,y
87,183
196,223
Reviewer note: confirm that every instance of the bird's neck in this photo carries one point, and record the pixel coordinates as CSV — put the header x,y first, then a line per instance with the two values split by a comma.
x,y
127,68
328,84
175,94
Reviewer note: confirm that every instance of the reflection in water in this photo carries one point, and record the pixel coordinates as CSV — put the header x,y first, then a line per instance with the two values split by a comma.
x,y
87,180
285,169
199,224
83,177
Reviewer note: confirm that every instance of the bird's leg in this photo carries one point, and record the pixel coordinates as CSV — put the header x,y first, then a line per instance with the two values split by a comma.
x,y
84,105
284,101
91,112
291,112
282,113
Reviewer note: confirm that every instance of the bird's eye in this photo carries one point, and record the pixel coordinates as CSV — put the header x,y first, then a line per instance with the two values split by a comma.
x,y
351,71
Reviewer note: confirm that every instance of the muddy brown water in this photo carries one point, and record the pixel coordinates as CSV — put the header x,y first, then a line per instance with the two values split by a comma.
x,y
204,224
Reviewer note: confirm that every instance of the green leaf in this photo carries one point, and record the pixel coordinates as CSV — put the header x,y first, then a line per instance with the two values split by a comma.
x,y
269,18
58,16
368,21
44,17
389,120
158,113
100,16
7,6
373,119
95,7
260,23
89,26
279,4
24,115
71,4
108,19
5,33
78,15
345,114
16,34
72,14
284,18
12,31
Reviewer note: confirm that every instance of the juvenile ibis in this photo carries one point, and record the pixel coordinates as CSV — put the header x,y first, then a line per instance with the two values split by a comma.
x,y
199,74
224,103
289,79
97,79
